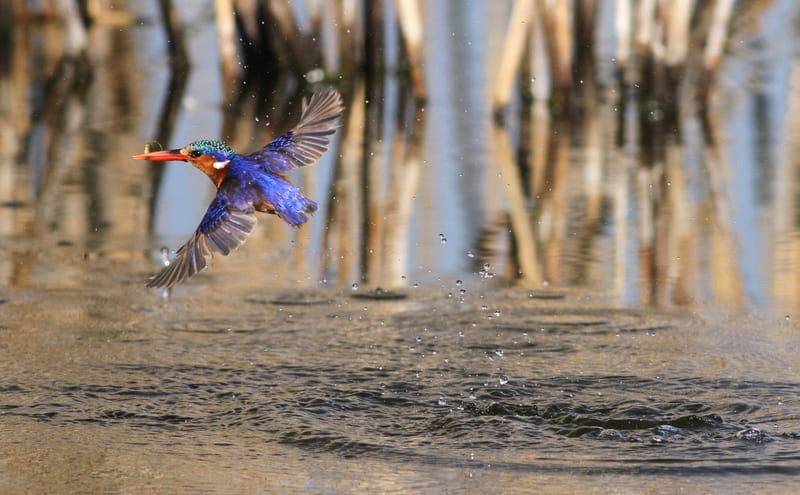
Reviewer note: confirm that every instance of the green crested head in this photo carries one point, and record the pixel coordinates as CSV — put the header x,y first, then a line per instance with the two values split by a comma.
x,y
212,147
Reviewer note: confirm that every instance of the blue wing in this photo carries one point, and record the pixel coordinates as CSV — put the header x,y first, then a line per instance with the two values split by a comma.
x,y
224,227
308,141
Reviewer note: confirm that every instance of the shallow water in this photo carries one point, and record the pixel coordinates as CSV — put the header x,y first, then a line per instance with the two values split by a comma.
x,y
656,350
326,391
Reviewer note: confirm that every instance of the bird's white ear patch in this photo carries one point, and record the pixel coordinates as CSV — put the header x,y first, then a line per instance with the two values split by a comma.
x,y
221,165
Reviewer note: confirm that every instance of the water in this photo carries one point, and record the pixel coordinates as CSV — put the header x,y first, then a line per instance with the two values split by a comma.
x,y
328,392
654,351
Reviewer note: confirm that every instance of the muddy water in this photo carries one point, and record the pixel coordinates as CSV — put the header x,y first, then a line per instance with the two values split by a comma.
x,y
331,391
656,352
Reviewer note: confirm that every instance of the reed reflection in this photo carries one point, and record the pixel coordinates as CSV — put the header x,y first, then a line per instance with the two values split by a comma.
x,y
602,165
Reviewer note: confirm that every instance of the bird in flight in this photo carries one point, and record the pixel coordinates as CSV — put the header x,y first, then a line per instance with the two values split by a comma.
x,y
249,183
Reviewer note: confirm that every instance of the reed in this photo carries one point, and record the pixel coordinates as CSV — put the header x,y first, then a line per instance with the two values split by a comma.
x,y
173,26
546,92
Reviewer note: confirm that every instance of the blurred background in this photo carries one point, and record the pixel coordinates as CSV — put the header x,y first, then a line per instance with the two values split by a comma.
x,y
646,149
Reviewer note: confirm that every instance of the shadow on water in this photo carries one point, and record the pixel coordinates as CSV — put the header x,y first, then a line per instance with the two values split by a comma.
x,y
554,248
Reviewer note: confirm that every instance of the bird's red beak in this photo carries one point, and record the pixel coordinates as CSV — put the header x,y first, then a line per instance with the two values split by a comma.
x,y
162,156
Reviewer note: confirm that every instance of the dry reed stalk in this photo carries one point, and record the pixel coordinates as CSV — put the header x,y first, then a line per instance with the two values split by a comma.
x,y
554,202
559,34
176,44
410,20
786,283
76,39
677,22
404,182
541,78
681,258
647,233
529,273
349,34
513,49
540,136
623,26
226,42
646,37
342,238
717,34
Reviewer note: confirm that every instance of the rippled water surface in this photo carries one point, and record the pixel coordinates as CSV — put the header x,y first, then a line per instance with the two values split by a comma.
x,y
330,391
610,306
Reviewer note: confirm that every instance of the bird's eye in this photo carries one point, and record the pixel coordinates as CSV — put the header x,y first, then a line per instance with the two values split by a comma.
x,y
195,153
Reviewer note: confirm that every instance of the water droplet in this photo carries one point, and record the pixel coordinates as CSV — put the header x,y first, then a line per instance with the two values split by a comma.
x,y
354,286
753,434
788,317
257,119
441,401
486,271
418,339
499,352
415,285
165,256
503,379
496,313
484,307
459,282
470,254
461,334
667,430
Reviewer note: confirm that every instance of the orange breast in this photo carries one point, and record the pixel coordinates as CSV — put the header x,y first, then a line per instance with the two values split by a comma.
x,y
216,171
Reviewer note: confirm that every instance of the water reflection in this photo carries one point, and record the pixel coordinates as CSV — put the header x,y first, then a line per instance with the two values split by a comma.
x,y
639,187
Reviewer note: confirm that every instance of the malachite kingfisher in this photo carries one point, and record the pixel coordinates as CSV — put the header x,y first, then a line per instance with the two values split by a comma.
x,y
249,183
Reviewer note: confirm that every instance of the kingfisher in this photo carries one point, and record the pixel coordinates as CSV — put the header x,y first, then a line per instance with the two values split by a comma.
x,y
249,183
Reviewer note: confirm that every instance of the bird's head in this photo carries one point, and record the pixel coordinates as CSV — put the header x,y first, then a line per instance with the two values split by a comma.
x,y
209,155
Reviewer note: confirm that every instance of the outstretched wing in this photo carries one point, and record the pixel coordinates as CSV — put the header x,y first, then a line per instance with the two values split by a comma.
x,y
308,141
223,228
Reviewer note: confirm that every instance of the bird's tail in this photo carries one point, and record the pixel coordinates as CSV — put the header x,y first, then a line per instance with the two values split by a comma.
x,y
282,198
296,209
